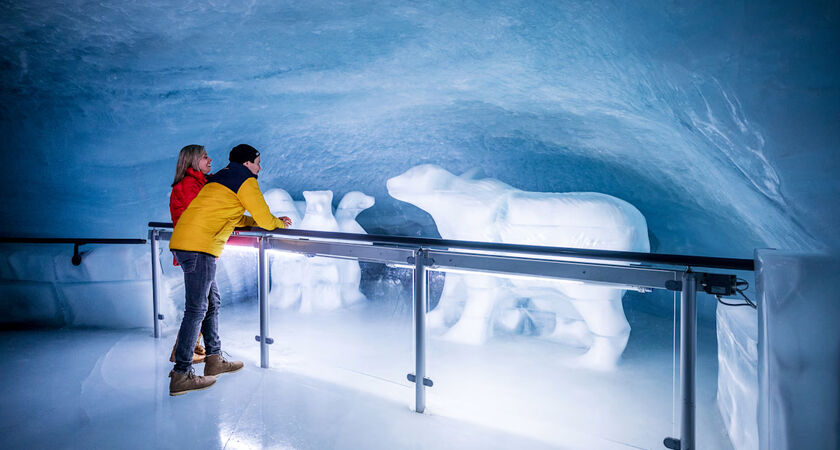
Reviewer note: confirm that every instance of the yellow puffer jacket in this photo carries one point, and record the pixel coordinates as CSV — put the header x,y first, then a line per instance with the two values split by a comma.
x,y
220,207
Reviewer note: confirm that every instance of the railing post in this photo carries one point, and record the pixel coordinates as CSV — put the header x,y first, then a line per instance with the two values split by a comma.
x,y
262,279
420,281
153,237
688,357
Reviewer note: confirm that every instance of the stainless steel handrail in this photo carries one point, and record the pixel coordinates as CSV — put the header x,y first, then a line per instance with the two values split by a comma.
x,y
424,254
634,257
77,242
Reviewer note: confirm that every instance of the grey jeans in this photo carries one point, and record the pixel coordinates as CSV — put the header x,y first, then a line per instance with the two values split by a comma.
x,y
201,311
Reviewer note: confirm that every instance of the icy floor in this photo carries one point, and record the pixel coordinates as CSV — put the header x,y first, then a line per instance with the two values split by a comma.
x,y
338,381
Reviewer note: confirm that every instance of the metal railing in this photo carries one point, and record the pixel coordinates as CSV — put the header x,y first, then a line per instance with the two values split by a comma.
x,y
77,242
423,255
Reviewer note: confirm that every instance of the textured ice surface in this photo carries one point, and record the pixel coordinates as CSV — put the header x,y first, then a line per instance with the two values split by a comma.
x,y
469,209
717,121
798,349
737,397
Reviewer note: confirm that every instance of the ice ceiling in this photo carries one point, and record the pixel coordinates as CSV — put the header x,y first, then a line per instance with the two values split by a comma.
x,y
721,123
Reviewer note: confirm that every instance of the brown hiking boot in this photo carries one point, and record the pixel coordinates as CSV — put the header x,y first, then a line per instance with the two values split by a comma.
x,y
181,383
216,365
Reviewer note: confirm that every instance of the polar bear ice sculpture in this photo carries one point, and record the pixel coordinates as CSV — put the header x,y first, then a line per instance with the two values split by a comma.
x,y
488,210
317,283
350,273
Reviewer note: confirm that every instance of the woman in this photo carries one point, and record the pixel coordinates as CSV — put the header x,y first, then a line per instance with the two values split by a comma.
x,y
190,176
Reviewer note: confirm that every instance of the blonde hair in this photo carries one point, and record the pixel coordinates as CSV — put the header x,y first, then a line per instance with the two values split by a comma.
x,y
189,157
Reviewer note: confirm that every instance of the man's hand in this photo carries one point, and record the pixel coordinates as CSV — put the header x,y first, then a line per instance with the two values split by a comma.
x,y
286,221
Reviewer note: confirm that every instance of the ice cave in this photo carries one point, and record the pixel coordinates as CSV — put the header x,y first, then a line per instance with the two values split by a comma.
x,y
514,224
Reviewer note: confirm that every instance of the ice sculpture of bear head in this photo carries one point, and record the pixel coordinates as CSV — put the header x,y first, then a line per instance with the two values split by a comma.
x,y
352,204
420,181
281,204
319,215
462,207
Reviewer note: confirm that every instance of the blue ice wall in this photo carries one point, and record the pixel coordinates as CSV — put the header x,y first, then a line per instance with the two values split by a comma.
x,y
720,122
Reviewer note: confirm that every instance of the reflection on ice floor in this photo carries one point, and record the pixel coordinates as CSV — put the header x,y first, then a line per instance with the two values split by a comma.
x,y
338,381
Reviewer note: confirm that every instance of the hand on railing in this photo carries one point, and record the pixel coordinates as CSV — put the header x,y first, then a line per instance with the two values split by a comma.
x,y
286,221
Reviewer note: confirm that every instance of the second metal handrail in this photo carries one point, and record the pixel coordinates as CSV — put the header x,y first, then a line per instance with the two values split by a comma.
x,y
77,242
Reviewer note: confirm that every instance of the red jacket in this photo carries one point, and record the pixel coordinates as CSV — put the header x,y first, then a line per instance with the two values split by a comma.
x,y
184,192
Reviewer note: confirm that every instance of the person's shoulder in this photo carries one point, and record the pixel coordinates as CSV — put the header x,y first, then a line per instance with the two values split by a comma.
x,y
196,176
200,180
188,184
231,177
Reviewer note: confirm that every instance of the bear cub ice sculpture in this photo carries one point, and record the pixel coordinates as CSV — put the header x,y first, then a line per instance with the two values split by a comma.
x,y
317,283
488,210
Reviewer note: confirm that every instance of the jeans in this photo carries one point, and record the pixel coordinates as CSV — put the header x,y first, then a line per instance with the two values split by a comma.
x,y
201,311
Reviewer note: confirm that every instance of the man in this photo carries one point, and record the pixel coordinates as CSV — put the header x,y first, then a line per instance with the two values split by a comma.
x,y
197,241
